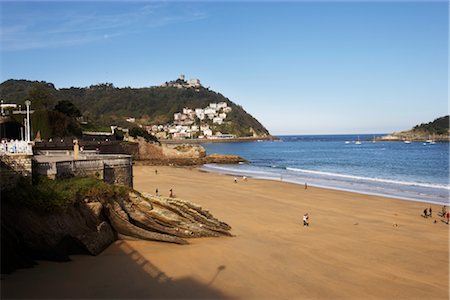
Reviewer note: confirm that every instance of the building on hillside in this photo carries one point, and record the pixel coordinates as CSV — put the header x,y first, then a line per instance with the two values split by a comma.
x,y
193,83
221,105
207,132
210,110
217,120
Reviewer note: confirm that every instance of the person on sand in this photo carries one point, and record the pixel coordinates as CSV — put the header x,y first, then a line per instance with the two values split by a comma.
x,y
430,211
448,216
156,172
425,213
244,178
235,180
156,192
306,186
305,220
171,193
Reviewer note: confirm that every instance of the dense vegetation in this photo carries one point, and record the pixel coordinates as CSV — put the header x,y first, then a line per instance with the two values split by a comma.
x,y
438,126
106,105
47,196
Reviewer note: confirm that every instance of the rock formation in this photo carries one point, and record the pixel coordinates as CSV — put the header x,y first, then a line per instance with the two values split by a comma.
x,y
92,222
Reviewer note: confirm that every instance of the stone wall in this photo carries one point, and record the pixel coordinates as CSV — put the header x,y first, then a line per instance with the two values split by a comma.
x,y
12,168
114,169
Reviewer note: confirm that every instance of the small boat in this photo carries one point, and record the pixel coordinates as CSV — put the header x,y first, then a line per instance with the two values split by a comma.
x,y
358,142
347,142
407,142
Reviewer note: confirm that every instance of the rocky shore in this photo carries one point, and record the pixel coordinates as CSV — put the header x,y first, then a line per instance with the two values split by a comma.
x,y
55,219
413,137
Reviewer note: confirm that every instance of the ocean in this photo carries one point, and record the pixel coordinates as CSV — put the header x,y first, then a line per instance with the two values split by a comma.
x,y
416,171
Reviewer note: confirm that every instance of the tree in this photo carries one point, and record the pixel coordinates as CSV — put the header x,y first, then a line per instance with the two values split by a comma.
x,y
68,108
42,97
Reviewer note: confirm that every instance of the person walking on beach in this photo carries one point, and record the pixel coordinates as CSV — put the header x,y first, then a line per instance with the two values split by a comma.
x,y
425,213
430,211
156,172
235,180
156,192
305,220
171,193
306,186
448,217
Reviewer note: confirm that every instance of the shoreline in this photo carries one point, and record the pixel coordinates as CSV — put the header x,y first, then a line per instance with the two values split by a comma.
x,y
220,140
354,245
251,174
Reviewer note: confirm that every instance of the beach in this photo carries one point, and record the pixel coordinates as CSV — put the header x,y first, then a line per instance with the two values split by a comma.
x,y
356,247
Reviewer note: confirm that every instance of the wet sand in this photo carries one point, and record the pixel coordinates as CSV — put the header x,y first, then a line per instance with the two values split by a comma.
x,y
357,247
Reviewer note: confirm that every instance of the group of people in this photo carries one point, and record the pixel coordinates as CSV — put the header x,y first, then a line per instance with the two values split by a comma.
x,y
243,178
171,195
428,212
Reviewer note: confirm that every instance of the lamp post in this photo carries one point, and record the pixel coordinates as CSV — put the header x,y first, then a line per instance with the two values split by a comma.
x,y
28,133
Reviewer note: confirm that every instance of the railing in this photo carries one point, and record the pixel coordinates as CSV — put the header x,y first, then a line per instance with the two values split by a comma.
x,y
15,147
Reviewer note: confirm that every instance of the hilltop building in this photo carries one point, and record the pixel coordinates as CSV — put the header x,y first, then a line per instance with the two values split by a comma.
x,y
182,83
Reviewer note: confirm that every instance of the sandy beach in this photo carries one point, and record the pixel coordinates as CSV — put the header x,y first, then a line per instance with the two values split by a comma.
x,y
357,247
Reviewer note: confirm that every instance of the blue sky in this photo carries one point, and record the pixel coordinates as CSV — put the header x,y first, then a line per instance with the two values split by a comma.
x,y
298,67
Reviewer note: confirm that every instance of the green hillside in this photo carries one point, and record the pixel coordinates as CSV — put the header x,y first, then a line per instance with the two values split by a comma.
x,y
105,104
438,126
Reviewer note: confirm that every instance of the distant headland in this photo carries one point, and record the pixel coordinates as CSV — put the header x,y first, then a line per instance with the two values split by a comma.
x,y
435,131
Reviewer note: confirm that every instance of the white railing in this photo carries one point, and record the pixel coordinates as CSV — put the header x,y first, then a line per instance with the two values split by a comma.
x,y
15,147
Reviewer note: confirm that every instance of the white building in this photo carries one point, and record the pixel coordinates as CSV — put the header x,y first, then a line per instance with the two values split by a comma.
x,y
204,127
210,110
213,105
221,105
222,115
193,83
217,120
207,132
226,109
177,116
187,111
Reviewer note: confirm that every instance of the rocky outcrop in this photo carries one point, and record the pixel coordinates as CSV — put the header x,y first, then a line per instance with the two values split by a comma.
x,y
28,234
91,223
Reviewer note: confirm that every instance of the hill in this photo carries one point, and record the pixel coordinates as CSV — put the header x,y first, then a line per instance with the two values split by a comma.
x,y
103,105
437,130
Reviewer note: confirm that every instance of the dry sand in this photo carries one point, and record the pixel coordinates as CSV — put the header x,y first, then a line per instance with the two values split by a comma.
x,y
352,250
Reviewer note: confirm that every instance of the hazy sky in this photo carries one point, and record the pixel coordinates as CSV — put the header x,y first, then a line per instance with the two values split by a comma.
x,y
298,67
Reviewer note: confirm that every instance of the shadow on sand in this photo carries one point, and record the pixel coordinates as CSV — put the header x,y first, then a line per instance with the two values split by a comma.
x,y
119,272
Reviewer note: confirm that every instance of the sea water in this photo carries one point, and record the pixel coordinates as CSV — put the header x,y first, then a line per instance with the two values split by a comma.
x,y
417,171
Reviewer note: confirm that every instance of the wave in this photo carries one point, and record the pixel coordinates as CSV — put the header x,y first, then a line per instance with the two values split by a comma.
x,y
414,191
381,180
